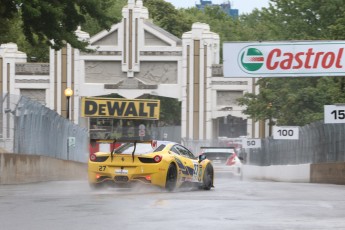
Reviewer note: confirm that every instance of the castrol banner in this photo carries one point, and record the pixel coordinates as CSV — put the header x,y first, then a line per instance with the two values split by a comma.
x,y
284,59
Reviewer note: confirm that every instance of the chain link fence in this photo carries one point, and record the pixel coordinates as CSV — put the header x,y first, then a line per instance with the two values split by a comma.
x,y
317,143
28,127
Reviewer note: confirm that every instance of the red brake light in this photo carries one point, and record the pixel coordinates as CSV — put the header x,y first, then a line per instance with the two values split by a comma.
x,y
157,158
153,144
93,157
231,160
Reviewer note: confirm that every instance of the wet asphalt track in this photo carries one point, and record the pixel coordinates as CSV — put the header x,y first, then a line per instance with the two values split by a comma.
x,y
232,204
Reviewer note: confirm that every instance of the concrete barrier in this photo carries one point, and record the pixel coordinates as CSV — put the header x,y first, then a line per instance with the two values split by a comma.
x,y
284,173
19,168
330,173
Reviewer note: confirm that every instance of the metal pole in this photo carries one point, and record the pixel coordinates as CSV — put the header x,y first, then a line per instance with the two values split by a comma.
x,y
67,148
67,116
67,112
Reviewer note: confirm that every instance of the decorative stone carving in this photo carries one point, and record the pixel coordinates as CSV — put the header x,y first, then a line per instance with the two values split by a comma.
x,y
226,98
32,69
35,94
32,81
130,83
160,53
229,83
158,72
103,53
103,72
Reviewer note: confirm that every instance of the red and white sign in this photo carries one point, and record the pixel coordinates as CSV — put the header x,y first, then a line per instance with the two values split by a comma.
x,y
284,59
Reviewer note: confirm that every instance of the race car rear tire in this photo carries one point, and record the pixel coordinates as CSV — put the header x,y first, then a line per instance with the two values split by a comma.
x,y
208,177
171,179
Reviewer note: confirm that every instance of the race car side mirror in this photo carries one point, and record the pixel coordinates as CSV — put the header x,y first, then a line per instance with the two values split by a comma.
x,y
201,158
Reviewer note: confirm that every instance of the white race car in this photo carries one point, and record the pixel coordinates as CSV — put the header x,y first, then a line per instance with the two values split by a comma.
x,y
224,159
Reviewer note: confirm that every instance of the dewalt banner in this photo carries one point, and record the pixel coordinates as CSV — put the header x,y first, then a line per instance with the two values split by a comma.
x,y
145,109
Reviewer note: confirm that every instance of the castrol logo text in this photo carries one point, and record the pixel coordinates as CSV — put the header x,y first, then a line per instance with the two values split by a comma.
x,y
275,59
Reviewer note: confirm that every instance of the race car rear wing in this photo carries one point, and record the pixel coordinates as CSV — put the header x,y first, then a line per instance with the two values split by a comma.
x,y
134,141
120,140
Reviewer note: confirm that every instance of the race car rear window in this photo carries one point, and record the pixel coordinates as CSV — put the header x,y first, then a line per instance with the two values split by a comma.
x,y
140,148
160,148
218,150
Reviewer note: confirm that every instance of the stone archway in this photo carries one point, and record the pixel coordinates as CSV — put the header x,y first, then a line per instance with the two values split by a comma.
x,y
133,58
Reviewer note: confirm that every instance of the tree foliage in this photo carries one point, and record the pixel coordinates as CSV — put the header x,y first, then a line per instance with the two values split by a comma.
x,y
166,16
54,22
293,101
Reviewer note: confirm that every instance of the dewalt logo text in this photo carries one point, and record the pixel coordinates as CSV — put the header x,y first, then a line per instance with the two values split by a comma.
x,y
120,108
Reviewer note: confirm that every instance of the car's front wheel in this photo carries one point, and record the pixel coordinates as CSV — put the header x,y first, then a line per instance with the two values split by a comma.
x,y
171,180
208,177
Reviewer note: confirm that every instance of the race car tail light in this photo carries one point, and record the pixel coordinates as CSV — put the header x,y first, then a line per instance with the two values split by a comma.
x,y
231,160
154,144
157,158
93,157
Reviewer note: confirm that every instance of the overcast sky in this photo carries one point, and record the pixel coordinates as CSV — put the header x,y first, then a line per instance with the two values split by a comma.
x,y
244,6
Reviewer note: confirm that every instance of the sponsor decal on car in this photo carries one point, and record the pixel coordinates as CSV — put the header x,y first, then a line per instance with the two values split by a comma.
x,y
121,171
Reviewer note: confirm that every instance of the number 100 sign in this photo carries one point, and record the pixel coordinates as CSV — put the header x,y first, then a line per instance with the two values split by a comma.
x,y
334,114
286,132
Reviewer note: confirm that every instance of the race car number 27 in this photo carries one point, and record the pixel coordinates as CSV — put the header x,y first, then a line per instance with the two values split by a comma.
x,y
102,168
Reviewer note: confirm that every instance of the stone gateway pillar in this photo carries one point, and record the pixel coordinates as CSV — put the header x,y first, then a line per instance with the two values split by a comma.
x,y
200,52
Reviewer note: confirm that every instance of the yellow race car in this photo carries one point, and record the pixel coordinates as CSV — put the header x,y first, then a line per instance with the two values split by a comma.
x,y
165,164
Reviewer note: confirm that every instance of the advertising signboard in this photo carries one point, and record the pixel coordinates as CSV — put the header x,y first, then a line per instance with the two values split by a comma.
x,y
284,59
146,109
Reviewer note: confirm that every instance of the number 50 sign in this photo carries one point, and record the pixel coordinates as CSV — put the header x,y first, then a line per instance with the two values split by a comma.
x,y
251,143
334,114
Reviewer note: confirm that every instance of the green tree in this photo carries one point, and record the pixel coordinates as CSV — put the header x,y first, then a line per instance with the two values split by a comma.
x,y
166,16
53,22
114,10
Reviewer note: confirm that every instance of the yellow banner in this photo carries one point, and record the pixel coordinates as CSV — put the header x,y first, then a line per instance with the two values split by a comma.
x,y
146,109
